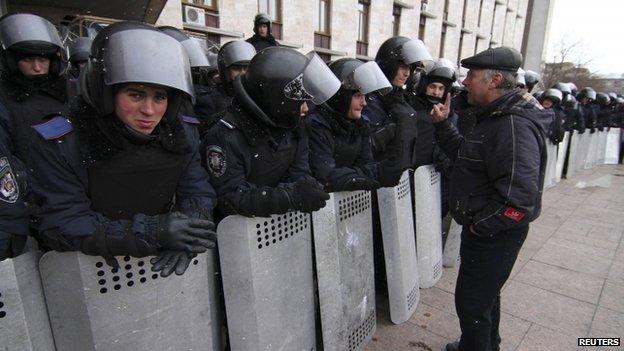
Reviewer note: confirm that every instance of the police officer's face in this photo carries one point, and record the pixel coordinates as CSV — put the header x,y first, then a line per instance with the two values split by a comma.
x,y
358,102
141,106
435,90
547,103
401,76
236,71
303,110
34,66
263,30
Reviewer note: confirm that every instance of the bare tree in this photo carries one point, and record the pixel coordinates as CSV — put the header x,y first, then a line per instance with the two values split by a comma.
x,y
568,64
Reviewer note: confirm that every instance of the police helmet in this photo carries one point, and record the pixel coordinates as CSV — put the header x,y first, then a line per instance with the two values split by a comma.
x,y
520,78
133,52
192,46
401,50
588,93
554,95
602,99
279,79
538,94
563,87
444,72
619,101
234,53
570,102
612,96
573,88
262,18
356,76
531,79
79,49
23,35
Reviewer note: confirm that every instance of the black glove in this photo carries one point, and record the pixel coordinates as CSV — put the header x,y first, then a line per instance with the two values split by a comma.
x,y
169,261
179,233
308,195
361,183
383,136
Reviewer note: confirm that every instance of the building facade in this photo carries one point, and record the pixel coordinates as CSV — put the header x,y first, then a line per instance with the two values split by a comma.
x,y
453,29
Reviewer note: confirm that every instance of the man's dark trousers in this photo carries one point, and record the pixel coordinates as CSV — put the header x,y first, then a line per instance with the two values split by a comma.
x,y
485,266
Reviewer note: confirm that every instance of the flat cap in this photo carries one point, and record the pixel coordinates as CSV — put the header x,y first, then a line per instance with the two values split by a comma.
x,y
501,58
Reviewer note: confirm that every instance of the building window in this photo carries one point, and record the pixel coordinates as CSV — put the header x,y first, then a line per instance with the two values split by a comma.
x,y
363,17
442,41
322,34
421,28
273,8
464,12
396,20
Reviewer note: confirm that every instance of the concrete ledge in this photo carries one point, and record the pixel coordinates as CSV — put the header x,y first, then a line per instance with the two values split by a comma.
x,y
449,24
290,44
428,14
403,4
467,31
330,51
364,58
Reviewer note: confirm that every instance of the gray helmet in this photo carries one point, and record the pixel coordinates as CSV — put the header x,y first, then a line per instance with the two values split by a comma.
x,y
570,102
192,46
133,52
520,79
554,95
612,96
573,88
588,93
563,87
234,53
602,99
79,49
262,18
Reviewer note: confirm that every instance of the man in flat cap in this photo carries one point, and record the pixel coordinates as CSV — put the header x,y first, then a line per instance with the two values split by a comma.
x,y
496,187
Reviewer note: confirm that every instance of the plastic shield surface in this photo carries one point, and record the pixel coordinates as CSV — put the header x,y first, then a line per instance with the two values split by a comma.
x,y
26,27
551,164
343,244
268,281
453,243
146,56
238,52
24,321
318,80
195,52
590,158
415,51
612,148
368,78
602,147
581,151
399,245
95,307
561,156
427,213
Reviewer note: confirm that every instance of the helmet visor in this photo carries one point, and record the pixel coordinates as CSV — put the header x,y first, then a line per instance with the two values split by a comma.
x,y
195,52
26,27
316,83
368,78
414,51
238,53
147,56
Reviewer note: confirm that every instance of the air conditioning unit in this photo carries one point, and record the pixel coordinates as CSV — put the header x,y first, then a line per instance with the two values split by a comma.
x,y
194,15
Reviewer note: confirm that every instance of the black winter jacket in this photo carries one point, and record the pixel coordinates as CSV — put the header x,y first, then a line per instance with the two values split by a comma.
x,y
499,164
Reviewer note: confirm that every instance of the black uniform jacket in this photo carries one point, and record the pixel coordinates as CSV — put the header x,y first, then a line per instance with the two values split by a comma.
x,y
339,149
499,164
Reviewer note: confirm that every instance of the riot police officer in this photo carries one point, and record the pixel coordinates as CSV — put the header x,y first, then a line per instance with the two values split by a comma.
x,y
339,137
551,99
531,79
392,118
604,111
573,116
257,154
79,50
263,37
232,61
124,177
32,84
13,210
586,98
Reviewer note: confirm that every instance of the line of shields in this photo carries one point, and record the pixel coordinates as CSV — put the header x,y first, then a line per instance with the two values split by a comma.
x,y
287,282
581,151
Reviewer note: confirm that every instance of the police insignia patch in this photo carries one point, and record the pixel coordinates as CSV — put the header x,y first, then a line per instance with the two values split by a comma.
x,y
9,192
215,157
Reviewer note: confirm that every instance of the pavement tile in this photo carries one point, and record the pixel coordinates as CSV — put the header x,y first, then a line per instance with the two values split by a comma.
x,y
512,330
573,284
583,239
438,298
612,296
546,308
521,261
616,272
607,253
540,338
607,324
439,322
573,257
405,336
448,280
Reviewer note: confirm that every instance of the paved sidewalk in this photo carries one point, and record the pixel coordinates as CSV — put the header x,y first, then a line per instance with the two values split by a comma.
x,y
568,281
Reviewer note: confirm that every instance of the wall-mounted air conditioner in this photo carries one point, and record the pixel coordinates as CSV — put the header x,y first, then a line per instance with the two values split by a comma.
x,y
194,15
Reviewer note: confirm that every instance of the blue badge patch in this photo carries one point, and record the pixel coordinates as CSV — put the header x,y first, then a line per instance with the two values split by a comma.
x,y
215,157
54,128
9,192
190,119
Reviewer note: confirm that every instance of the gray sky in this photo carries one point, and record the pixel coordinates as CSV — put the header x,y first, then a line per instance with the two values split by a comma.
x,y
598,25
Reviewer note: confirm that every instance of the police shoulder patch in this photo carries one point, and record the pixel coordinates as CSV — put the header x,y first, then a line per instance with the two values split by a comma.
x,y
215,158
9,192
54,128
